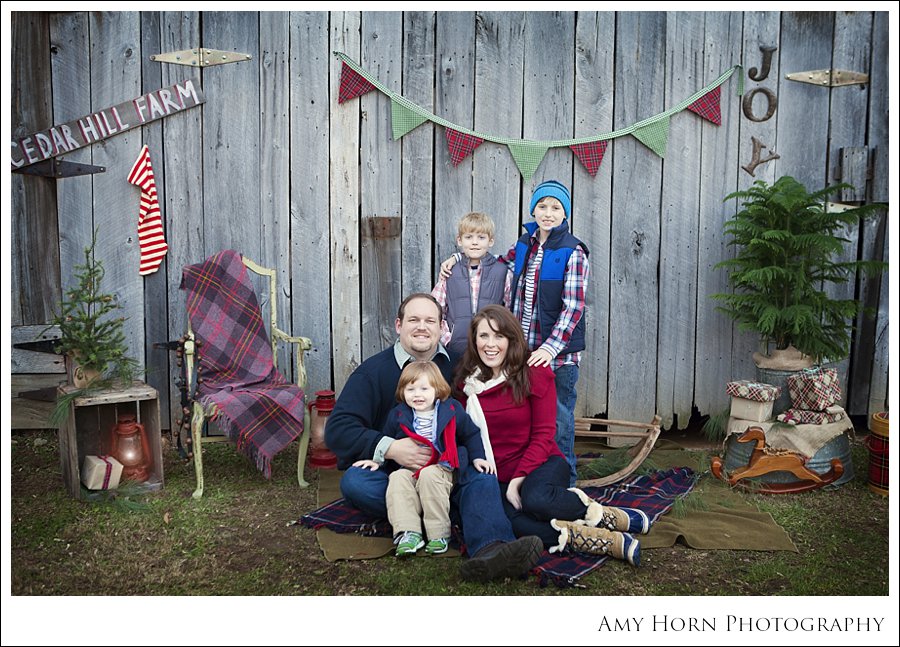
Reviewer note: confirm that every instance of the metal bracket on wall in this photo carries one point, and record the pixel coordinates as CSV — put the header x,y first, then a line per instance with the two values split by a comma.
x,y
200,57
60,168
829,78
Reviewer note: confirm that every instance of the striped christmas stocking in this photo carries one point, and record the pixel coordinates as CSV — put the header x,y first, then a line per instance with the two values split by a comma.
x,y
150,230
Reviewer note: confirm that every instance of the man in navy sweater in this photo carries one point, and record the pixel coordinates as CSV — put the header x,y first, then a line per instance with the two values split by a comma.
x,y
354,432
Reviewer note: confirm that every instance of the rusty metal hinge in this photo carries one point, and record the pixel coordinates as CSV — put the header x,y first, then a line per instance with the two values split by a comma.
x,y
829,78
58,168
200,57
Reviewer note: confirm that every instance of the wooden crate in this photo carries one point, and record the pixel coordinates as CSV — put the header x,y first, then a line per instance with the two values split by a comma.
x,y
88,430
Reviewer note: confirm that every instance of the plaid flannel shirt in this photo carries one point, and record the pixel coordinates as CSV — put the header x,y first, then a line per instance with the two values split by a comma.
x,y
574,287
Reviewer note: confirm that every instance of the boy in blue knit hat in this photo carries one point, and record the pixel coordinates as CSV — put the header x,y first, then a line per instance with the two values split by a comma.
x,y
550,275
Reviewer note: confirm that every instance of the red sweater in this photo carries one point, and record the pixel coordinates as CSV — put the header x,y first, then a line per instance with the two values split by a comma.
x,y
523,436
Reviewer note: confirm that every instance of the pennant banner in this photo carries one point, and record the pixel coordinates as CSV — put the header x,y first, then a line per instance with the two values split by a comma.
x,y
654,136
461,145
590,155
353,84
709,106
403,119
653,132
528,156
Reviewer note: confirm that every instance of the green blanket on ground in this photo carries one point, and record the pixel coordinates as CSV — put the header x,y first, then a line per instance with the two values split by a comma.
x,y
713,517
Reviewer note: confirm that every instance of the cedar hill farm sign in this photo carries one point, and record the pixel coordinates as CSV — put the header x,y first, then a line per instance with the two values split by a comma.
x,y
100,125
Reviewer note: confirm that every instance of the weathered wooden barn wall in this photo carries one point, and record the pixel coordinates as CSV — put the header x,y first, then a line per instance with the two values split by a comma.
x,y
272,166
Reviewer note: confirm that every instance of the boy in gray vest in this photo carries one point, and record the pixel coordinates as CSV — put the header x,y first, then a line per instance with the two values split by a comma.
x,y
478,281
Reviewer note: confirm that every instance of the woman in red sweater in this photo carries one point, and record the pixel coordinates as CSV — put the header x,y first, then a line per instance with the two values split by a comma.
x,y
515,406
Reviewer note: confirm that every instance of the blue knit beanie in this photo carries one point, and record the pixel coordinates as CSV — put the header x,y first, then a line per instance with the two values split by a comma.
x,y
552,189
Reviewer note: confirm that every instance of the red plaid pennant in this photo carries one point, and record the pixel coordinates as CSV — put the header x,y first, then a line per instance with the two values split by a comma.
x,y
709,106
353,84
460,145
590,154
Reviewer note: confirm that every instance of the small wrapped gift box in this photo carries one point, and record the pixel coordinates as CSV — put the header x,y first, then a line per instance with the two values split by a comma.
x,y
804,417
752,400
814,389
101,472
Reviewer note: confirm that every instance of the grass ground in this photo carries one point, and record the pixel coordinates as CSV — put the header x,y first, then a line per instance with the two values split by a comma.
x,y
237,540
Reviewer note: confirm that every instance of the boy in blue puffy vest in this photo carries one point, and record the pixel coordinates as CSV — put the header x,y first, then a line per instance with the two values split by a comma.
x,y
473,284
550,275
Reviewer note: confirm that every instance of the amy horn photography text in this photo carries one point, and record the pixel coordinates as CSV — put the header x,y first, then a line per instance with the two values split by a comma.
x,y
741,624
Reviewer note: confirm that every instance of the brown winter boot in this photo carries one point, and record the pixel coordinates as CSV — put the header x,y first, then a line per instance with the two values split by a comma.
x,y
612,518
596,541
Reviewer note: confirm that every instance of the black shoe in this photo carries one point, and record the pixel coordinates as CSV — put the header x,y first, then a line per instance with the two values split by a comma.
x,y
506,559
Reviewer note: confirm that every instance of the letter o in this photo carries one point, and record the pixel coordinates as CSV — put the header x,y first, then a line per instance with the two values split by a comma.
x,y
747,104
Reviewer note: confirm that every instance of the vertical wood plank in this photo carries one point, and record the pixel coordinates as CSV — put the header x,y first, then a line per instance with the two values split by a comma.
x,y
634,258
274,164
116,77
878,391
594,89
499,61
719,170
879,108
382,44
806,44
852,45
35,264
70,66
156,315
183,181
761,30
417,171
344,197
311,67
549,72
231,138
454,101
685,73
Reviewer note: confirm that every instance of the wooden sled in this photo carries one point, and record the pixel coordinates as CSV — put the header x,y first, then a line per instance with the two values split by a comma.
x,y
765,460
647,436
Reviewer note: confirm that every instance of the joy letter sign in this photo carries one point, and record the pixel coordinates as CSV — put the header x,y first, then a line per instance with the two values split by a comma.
x,y
105,123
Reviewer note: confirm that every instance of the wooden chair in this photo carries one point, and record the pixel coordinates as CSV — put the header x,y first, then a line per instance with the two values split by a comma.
x,y
200,413
645,435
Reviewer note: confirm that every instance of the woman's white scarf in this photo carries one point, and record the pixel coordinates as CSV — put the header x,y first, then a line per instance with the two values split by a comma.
x,y
472,387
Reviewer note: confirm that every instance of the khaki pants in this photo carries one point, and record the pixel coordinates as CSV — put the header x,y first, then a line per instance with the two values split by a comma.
x,y
411,501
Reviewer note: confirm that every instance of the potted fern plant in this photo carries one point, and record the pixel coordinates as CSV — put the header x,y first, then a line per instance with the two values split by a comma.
x,y
788,243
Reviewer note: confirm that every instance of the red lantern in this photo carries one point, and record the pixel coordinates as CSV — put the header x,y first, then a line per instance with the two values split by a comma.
x,y
131,448
319,455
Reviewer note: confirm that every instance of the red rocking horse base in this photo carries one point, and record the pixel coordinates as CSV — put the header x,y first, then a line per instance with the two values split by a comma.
x,y
765,460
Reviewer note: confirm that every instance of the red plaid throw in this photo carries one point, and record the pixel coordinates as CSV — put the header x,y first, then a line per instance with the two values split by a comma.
x,y
353,84
461,145
709,106
590,154
257,407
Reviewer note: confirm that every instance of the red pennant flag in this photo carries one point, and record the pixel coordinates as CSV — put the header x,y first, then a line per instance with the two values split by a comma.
x,y
353,84
590,154
709,106
460,145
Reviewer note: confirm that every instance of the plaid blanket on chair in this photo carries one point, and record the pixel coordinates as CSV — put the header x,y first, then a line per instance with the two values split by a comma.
x,y
655,494
255,406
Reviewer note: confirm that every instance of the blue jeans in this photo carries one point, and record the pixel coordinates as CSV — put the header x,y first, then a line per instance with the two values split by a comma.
x,y
566,377
475,503
544,496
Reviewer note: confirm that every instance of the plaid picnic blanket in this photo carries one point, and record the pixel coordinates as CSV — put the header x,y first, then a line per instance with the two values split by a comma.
x,y
255,406
655,494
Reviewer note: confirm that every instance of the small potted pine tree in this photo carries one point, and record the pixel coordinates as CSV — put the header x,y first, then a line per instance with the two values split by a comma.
x,y
92,336
788,244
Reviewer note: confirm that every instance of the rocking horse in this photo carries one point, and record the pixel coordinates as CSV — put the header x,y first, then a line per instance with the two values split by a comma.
x,y
766,460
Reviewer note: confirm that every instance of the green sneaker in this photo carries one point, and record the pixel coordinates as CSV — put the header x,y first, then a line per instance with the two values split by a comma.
x,y
410,542
437,546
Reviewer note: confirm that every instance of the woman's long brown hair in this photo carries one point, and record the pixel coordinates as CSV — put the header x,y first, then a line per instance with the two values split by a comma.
x,y
514,364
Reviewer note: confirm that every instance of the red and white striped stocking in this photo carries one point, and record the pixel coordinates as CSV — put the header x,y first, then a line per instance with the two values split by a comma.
x,y
150,230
